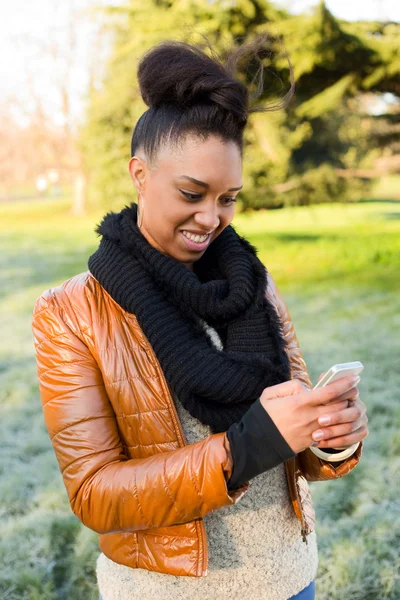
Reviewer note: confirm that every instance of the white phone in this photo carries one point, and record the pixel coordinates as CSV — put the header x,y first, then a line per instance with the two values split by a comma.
x,y
337,372
340,370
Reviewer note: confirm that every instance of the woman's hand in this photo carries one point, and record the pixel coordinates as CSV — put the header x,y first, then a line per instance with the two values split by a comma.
x,y
295,410
341,429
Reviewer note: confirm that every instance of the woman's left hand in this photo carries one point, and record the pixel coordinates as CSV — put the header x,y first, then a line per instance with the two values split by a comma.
x,y
343,428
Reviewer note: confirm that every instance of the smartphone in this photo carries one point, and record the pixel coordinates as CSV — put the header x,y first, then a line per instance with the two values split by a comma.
x,y
338,371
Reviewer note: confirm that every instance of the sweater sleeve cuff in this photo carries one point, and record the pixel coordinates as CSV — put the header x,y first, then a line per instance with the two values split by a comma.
x,y
256,445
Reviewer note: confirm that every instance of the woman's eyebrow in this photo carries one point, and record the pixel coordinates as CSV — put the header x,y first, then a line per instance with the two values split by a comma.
x,y
206,185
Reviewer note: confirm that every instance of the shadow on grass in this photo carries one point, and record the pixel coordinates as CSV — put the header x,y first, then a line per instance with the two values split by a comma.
x,y
379,200
364,282
294,238
40,266
21,363
393,216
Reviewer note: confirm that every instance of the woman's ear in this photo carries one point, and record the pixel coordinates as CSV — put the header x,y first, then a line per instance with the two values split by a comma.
x,y
137,171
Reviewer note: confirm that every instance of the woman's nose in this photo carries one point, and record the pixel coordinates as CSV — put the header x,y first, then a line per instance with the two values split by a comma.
x,y
208,219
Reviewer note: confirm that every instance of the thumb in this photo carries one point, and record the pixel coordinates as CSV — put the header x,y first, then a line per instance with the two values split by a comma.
x,y
287,388
321,376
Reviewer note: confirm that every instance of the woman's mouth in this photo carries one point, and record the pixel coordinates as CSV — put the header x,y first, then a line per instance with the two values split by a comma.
x,y
195,241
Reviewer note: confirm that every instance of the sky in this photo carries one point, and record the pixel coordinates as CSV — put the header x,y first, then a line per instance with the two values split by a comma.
x,y
40,50
29,28
353,10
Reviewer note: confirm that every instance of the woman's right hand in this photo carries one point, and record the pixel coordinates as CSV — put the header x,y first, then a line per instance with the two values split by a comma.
x,y
295,409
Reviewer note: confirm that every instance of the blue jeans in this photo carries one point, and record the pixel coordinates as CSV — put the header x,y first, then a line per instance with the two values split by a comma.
x,y
308,593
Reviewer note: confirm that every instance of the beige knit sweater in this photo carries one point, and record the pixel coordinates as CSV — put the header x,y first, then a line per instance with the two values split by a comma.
x,y
255,546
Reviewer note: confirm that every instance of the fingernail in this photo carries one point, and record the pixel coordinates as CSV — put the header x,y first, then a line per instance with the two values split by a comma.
x,y
324,420
318,435
355,380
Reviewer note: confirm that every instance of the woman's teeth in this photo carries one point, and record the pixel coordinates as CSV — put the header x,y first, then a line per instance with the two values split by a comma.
x,y
195,238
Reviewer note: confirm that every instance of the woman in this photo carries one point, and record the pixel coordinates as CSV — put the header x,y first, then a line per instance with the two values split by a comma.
x,y
174,390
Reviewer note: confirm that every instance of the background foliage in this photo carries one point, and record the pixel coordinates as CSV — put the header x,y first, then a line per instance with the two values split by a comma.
x,y
324,147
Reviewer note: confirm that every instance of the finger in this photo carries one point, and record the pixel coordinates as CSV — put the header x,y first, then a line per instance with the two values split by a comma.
x,y
314,413
328,433
352,411
287,388
332,407
351,394
331,392
321,376
345,440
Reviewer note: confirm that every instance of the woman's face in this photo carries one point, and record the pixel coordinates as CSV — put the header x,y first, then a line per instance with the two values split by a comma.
x,y
189,193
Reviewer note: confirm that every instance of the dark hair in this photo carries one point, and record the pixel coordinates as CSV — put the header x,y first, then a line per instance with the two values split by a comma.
x,y
188,91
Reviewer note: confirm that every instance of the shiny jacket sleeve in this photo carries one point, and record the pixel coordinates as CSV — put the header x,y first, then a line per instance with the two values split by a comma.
x,y
313,467
108,491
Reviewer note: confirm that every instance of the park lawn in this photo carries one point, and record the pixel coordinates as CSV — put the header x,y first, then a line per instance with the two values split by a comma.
x,y
337,266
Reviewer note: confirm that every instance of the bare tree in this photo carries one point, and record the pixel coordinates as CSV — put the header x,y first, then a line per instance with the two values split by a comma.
x,y
67,53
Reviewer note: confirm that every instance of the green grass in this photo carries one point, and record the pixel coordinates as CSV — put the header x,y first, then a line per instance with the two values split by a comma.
x,y
338,269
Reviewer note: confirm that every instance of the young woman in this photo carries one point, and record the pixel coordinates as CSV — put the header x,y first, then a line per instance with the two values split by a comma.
x,y
173,387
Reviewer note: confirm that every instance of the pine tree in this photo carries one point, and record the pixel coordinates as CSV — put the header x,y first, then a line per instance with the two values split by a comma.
x,y
295,156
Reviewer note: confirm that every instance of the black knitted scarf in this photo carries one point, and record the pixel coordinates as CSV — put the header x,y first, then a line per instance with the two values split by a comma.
x,y
226,289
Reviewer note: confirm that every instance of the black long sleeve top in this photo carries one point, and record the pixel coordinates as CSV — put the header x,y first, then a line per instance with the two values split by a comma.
x,y
257,445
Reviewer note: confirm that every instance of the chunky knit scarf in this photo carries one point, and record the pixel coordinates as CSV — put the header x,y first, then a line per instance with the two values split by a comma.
x,y
226,289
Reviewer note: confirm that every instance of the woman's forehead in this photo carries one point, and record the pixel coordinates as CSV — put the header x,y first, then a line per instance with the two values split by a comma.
x,y
206,161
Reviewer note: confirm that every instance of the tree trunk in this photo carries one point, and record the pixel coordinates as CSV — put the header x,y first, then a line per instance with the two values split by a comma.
x,y
79,199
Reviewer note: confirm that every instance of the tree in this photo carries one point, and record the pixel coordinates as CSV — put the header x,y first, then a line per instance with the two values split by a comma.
x,y
46,120
296,156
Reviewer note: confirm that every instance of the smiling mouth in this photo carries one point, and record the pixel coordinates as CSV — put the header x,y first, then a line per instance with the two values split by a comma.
x,y
196,237
195,242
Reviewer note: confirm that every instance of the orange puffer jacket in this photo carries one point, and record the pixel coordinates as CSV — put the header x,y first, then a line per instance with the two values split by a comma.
x,y
128,470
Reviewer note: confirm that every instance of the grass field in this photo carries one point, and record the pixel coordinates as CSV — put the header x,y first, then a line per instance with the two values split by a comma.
x,y
338,269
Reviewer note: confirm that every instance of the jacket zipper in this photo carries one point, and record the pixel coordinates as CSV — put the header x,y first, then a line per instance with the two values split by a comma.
x,y
303,523
201,530
302,520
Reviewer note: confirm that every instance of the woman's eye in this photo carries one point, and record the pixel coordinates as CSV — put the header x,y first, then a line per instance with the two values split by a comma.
x,y
195,197
191,196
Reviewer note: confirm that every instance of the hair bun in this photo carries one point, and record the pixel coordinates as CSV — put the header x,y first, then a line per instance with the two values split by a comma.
x,y
181,74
